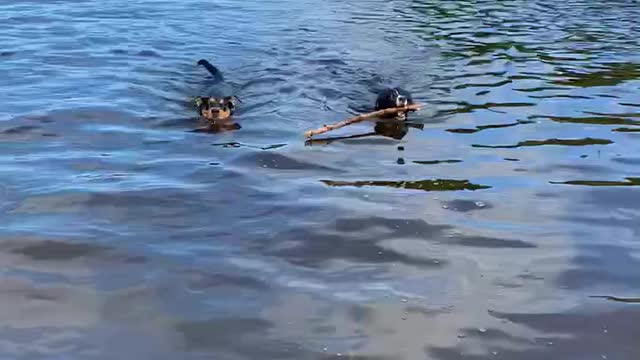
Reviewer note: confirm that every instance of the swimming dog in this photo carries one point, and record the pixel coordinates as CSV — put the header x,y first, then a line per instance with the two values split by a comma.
x,y
394,97
216,108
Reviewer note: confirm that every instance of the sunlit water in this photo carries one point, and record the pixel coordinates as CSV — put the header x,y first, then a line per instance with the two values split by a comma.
x,y
484,232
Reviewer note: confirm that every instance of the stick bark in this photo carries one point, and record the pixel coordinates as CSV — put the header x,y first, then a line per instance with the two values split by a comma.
x,y
359,118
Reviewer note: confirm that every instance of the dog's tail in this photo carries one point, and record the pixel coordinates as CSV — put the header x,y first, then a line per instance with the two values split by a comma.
x,y
217,75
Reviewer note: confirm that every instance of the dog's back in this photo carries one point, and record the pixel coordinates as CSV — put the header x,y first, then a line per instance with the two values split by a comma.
x,y
218,87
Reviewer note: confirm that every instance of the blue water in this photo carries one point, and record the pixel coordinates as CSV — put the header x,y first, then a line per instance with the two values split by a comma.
x,y
481,231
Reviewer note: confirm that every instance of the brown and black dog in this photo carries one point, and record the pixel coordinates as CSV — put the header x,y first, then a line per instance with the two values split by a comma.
x,y
216,108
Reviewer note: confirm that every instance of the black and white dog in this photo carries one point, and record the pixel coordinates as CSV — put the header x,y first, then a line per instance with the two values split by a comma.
x,y
394,97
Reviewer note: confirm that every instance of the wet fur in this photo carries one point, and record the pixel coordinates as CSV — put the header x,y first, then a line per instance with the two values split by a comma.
x,y
215,108
393,97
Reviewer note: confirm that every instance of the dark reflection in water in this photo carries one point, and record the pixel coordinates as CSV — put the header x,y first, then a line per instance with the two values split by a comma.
x,y
435,162
130,231
619,299
487,127
425,185
218,128
628,182
554,339
563,142
235,144
463,107
609,74
626,130
599,120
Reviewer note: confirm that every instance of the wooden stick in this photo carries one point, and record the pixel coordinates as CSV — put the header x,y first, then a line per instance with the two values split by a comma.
x,y
359,118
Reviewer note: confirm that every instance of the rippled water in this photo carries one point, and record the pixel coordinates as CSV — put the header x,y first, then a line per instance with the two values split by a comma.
x,y
487,231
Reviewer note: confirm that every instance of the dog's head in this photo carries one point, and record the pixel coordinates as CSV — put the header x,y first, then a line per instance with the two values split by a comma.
x,y
213,109
393,97
398,98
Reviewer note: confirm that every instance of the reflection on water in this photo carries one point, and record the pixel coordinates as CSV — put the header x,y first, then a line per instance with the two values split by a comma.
x,y
434,162
594,120
628,130
487,127
609,74
628,182
219,127
393,129
563,142
619,299
131,231
425,185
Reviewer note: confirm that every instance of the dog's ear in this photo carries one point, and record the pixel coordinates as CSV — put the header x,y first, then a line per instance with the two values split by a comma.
x,y
230,101
198,101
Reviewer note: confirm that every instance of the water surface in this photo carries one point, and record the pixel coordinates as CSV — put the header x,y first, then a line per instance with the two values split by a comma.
x,y
501,224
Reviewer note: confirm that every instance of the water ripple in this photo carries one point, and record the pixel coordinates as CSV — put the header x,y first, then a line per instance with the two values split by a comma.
x,y
481,229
